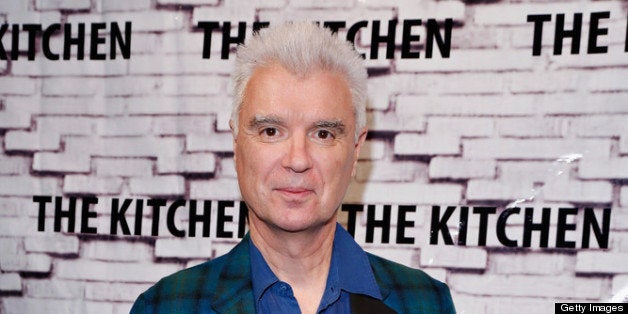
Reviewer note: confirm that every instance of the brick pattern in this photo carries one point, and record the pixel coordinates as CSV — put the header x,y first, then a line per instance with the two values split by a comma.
x,y
489,125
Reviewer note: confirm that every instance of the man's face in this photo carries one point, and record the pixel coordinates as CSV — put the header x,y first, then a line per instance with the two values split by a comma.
x,y
295,151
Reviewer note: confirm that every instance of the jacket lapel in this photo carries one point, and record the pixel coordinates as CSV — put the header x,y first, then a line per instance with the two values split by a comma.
x,y
363,304
383,278
234,292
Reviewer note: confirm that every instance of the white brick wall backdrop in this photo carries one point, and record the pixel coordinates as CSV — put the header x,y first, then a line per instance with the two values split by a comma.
x,y
488,126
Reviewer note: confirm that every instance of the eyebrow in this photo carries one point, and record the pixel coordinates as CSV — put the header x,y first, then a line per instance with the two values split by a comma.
x,y
331,124
259,120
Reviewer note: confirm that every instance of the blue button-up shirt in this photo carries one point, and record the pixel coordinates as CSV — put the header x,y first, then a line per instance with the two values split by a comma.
x,y
349,272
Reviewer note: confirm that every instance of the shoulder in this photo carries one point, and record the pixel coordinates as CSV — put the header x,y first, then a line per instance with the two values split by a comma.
x,y
183,290
200,288
410,290
401,276
188,282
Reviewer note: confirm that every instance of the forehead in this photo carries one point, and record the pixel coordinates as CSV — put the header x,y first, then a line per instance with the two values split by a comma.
x,y
274,90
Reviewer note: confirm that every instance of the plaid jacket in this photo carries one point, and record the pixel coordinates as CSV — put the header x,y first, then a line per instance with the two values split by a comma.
x,y
223,285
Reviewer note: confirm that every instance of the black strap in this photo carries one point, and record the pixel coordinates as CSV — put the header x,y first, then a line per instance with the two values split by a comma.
x,y
363,304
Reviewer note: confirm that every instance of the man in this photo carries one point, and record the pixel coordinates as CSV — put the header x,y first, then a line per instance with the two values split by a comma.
x,y
298,124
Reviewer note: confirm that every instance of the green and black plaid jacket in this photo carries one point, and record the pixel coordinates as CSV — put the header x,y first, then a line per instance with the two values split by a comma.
x,y
223,285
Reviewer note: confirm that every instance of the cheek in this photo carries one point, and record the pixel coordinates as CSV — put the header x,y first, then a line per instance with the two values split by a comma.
x,y
255,162
337,165
243,160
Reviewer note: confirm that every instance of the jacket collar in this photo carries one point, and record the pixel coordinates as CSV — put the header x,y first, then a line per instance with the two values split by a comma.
x,y
234,292
382,276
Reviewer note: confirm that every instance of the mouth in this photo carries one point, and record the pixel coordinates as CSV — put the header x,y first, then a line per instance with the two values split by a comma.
x,y
294,192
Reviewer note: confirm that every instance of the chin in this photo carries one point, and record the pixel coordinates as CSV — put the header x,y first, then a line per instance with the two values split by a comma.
x,y
301,224
295,226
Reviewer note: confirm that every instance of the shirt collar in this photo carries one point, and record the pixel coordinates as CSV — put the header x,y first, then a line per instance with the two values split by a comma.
x,y
355,274
350,270
262,276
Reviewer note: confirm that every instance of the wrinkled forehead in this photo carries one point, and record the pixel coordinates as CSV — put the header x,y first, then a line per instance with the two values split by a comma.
x,y
276,81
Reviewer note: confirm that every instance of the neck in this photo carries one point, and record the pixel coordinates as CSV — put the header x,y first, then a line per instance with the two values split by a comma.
x,y
301,259
292,255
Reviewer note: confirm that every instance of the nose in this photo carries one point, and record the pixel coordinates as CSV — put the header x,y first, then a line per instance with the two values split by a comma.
x,y
297,157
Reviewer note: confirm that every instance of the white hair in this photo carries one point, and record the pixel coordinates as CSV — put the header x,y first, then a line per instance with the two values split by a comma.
x,y
301,48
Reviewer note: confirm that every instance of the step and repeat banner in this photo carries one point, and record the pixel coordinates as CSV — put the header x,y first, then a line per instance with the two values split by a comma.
x,y
496,159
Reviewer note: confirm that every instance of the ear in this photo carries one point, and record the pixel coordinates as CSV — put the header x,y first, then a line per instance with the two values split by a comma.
x,y
357,148
233,133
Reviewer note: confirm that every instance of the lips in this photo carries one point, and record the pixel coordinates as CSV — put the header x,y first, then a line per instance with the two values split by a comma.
x,y
294,192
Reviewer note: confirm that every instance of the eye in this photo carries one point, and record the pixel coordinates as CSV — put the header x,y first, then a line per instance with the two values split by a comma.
x,y
323,134
269,132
